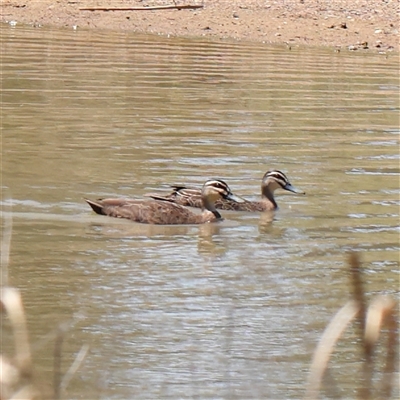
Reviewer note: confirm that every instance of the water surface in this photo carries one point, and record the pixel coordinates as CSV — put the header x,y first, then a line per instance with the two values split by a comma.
x,y
232,310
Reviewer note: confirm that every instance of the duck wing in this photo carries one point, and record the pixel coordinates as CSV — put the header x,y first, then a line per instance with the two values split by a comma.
x,y
158,211
189,197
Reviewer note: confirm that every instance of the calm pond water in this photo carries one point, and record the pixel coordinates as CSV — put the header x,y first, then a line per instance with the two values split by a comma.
x,y
232,310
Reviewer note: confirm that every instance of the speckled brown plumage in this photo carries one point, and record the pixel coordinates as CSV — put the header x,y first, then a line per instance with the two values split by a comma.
x,y
164,212
271,181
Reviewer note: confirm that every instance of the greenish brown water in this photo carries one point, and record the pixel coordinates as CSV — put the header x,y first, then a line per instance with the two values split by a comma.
x,y
232,310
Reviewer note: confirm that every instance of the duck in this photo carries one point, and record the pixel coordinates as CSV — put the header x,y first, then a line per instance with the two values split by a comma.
x,y
271,181
163,211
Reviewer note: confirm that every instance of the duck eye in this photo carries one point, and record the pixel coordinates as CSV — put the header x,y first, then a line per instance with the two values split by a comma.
x,y
217,185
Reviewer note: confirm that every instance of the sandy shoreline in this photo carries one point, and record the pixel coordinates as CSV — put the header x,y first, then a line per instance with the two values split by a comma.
x,y
361,25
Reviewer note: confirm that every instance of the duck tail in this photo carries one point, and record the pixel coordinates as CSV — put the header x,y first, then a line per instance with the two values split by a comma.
x,y
96,207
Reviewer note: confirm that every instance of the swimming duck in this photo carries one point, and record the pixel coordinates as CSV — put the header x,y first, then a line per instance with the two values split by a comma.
x,y
271,181
161,211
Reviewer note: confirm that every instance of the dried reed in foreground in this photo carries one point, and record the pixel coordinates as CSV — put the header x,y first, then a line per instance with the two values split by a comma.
x,y
380,313
16,372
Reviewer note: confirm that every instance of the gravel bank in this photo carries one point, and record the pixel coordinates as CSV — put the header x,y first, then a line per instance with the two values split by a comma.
x,y
361,25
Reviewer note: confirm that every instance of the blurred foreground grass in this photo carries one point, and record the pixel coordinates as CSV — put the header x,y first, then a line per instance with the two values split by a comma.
x,y
374,321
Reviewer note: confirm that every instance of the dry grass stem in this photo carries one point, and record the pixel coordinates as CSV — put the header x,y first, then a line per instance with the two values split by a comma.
x,y
326,344
60,382
16,374
12,303
17,371
74,367
391,355
377,312
358,293
380,313
365,389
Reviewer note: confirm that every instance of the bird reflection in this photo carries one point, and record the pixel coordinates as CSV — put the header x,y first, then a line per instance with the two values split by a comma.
x,y
210,242
265,222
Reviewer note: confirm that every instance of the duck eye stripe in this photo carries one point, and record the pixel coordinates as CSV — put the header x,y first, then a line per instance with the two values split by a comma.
x,y
279,176
217,184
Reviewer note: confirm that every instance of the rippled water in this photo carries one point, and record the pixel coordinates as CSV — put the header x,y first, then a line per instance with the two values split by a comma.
x,y
232,310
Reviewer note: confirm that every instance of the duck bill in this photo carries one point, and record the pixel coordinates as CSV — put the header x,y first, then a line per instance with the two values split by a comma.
x,y
291,188
233,197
